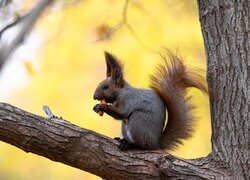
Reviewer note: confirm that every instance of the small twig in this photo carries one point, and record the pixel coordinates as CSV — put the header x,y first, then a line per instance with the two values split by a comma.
x,y
49,112
118,26
122,23
124,12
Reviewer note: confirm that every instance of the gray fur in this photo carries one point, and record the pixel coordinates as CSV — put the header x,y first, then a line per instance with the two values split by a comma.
x,y
144,108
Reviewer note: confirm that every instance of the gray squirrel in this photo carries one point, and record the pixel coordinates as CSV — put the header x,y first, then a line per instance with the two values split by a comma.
x,y
143,111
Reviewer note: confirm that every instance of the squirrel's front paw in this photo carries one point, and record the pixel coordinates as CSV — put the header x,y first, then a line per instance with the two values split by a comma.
x,y
99,107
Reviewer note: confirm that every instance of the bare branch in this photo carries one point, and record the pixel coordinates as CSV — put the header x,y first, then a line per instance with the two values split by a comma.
x,y
119,25
28,22
122,23
15,22
64,142
4,3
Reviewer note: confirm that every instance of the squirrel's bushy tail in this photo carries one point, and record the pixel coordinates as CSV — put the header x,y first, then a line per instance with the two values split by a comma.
x,y
170,83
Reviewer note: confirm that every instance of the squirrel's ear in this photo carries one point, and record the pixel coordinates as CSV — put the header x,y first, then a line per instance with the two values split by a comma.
x,y
117,77
108,56
114,68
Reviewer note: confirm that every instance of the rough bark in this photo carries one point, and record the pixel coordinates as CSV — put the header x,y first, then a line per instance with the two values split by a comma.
x,y
64,142
225,26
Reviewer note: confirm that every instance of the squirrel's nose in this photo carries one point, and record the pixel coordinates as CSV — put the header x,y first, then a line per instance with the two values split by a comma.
x,y
96,97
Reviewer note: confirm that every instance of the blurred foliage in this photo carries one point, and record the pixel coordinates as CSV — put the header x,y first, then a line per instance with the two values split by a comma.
x,y
70,64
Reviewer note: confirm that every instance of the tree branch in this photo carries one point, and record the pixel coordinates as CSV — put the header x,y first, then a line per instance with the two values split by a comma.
x,y
15,22
119,25
61,141
28,22
4,3
123,22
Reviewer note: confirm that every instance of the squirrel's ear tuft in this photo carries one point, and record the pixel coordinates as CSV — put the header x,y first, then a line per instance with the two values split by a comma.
x,y
108,56
114,68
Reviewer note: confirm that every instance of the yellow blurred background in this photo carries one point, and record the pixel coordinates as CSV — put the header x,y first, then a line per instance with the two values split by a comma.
x,y
69,63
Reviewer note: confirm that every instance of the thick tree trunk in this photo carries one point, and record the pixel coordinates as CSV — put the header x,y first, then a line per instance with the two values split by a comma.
x,y
226,30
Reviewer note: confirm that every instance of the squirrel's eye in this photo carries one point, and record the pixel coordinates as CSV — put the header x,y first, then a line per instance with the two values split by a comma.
x,y
106,86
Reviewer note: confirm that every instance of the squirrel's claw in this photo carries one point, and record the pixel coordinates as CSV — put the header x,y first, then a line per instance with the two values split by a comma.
x,y
117,138
124,145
